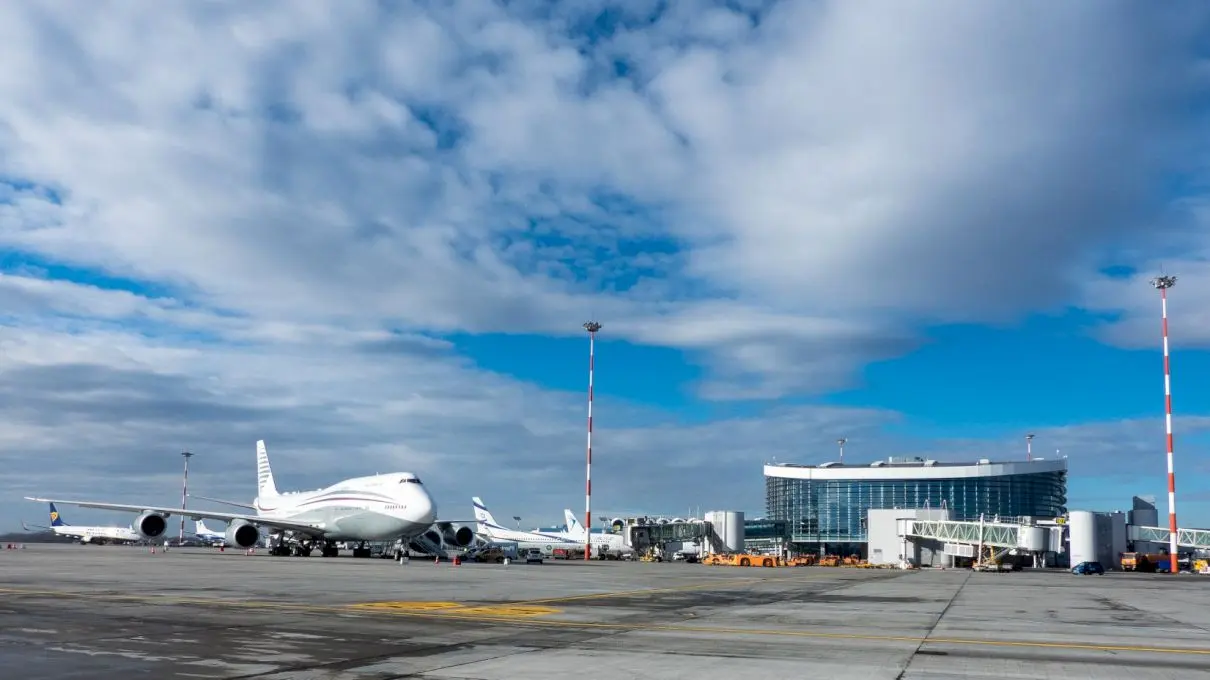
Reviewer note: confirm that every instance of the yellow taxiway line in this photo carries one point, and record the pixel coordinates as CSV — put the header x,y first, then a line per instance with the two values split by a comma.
x,y
523,613
719,584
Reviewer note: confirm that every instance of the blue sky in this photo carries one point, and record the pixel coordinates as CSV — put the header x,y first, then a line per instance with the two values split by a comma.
x,y
370,237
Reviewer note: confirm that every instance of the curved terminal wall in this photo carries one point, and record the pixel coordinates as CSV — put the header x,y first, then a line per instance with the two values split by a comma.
x,y
829,506
734,537
1033,539
728,527
1097,537
1083,536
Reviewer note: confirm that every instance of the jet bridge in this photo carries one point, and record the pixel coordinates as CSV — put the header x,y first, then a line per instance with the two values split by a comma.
x,y
964,538
995,534
1185,538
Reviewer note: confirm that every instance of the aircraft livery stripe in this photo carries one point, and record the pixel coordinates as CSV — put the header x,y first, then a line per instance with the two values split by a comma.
x,y
350,492
338,494
326,499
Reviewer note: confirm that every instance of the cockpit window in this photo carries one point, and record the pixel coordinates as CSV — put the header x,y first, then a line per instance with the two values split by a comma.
x,y
410,480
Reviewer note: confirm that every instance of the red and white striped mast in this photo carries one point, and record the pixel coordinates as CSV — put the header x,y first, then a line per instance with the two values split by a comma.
x,y
592,327
1163,283
184,495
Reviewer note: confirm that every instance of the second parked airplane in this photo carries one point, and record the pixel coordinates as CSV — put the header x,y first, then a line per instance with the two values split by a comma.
x,y
493,531
92,534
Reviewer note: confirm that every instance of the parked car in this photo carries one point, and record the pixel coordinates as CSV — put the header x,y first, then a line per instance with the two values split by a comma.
x,y
533,555
1085,568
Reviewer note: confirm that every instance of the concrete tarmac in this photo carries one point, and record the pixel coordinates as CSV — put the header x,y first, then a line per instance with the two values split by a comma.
x,y
121,612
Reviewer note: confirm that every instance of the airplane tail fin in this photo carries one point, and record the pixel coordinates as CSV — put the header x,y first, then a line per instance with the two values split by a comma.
x,y
573,527
55,521
265,488
200,525
485,519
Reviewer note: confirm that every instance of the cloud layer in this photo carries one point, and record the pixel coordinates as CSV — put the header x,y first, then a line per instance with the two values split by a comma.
x,y
226,222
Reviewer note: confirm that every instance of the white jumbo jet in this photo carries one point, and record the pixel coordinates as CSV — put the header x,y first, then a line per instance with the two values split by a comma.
x,y
383,507
494,532
93,534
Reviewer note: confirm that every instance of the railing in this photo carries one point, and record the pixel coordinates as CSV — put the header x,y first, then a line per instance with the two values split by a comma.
x,y
423,544
972,533
1185,538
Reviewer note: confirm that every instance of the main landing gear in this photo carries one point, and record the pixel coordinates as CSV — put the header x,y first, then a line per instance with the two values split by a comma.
x,y
279,547
296,550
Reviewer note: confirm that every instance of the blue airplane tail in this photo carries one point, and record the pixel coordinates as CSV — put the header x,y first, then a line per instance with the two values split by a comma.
x,y
55,521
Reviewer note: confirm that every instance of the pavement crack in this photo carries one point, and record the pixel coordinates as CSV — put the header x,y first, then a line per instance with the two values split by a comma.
x,y
929,633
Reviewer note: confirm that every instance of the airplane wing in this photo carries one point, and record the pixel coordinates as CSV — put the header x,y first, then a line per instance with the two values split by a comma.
x,y
232,503
191,513
35,526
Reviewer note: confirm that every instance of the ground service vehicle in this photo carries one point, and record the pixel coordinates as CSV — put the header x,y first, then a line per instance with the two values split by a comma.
x,y
1147,562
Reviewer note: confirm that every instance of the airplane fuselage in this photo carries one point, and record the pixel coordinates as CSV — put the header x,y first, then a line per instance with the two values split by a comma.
x,y
530,539
98,534
378,508
612,543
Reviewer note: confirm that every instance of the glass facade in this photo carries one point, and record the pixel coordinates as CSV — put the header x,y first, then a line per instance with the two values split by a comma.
x,y
766,529
765,535
834,511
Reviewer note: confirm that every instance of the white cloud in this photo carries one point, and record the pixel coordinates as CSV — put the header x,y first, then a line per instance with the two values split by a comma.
x,y
786,193
1132,304
826,161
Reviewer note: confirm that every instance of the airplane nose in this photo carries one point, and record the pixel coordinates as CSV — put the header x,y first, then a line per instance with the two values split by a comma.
x,y
426,509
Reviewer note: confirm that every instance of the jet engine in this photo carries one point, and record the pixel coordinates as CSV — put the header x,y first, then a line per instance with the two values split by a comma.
x,y
455,535
241,533
151,525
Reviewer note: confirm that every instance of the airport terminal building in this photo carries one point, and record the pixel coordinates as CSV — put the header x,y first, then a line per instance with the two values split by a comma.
x,y
825,506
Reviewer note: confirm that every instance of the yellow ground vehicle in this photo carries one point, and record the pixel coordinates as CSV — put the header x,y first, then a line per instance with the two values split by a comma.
x,y
1133,561
744,560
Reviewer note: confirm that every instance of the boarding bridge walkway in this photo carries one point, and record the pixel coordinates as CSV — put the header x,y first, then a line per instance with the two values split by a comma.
x,y
994,534
1185,538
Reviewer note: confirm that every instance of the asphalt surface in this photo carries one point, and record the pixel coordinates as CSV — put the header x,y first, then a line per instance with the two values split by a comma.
x,y
121,612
